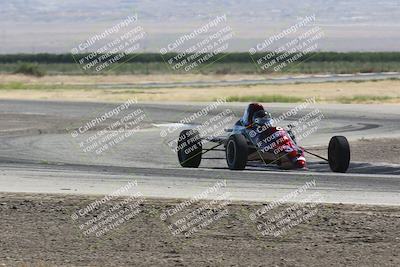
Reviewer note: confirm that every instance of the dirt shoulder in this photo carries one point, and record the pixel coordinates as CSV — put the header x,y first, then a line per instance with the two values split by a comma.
x,y
118,79
38,230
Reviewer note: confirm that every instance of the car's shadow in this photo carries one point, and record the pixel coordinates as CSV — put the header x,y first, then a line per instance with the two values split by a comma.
x,y
321,166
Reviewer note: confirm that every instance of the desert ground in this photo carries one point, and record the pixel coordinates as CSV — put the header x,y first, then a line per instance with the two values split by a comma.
x,y
40,230
37,230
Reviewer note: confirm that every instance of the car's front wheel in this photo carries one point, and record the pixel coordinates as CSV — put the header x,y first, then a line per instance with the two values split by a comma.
x,y
236,152
339,154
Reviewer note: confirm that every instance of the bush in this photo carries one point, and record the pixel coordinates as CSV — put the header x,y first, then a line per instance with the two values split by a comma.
x,y
30,69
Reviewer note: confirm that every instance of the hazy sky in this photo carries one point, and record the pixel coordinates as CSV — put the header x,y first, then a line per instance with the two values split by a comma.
x,y
58,26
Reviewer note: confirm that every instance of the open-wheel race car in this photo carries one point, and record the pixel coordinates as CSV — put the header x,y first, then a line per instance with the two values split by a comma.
x,y
255,138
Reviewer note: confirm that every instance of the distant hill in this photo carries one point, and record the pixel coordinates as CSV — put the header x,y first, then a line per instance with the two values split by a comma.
x,y
57,26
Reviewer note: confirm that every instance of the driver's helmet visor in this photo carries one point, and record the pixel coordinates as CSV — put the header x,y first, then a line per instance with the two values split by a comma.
x,y
262,117
263,121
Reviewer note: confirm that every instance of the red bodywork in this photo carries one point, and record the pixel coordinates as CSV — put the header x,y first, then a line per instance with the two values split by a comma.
x,y
277,146
274,143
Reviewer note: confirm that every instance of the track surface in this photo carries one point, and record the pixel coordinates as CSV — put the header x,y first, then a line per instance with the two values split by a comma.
x,y
38,154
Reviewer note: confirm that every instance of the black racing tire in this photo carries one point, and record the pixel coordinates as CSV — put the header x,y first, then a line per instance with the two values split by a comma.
x,y
339,154
189,149
236,152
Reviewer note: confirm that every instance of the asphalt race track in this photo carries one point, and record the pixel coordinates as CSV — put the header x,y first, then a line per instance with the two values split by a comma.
x,y
38,154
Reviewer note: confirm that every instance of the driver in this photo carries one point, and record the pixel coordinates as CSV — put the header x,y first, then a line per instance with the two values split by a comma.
x,y
249,112
262,117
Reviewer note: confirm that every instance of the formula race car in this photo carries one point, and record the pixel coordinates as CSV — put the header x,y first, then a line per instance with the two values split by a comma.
x,y
255,138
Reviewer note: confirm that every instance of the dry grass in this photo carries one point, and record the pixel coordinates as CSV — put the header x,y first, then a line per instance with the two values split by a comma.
x,y
385,91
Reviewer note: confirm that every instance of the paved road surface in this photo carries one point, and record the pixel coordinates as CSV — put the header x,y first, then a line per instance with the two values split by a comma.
x,y
38,154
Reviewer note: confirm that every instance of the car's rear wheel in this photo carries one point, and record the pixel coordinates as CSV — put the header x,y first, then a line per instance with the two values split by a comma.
x,y
189,149
236,152
339,154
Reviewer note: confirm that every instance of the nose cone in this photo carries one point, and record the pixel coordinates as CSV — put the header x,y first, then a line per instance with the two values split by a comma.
x,y
301,163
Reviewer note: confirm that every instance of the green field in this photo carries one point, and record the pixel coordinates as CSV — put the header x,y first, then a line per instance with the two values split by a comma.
x,y
233,63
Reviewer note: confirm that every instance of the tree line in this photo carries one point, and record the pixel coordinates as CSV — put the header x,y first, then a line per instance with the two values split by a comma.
x,y
237,57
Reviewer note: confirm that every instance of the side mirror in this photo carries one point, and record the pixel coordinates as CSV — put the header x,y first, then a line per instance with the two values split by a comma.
x,y
290,126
